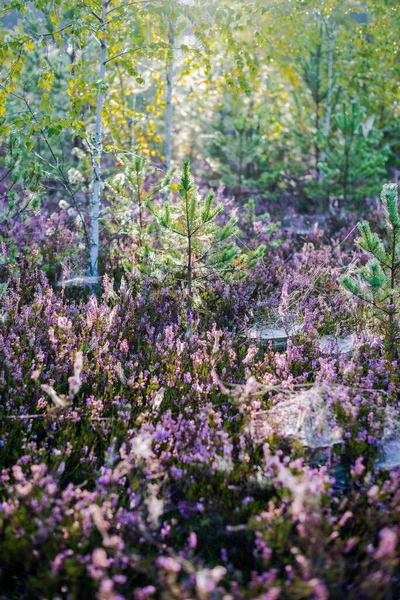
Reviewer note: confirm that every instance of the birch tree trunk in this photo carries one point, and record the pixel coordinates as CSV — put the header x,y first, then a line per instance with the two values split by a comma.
x,y
169,108
327,123
97,151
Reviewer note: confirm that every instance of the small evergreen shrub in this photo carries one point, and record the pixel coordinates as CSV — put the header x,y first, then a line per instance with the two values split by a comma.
x,y
377,283
194,246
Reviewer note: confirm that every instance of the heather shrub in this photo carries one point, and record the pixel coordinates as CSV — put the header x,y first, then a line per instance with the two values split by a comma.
x,y
138,462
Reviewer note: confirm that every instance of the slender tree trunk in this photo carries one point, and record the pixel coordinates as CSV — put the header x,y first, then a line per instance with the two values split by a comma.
x,y
240,174
76,139
317,143
189,256
346,171
96,194
139,201
346,174
189,270
169,107
132,124
327,123
392,320
189,330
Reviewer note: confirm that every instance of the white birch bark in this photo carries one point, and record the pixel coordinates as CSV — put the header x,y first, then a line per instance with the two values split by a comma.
x,y
97,151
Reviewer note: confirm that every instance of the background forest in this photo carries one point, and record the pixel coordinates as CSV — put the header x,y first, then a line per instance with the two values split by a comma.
x,y
199,300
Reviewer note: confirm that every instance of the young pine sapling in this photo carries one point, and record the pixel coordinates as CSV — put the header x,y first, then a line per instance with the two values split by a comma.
x,y
355,159
131,191
196,247
377,283
313,79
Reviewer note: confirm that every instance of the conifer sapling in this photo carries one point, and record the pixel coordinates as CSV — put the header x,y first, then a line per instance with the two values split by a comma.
x,y
377,283
196,247
131,193
355,158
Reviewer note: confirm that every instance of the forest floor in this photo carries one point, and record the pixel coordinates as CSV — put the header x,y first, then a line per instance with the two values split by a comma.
x,y
253,459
